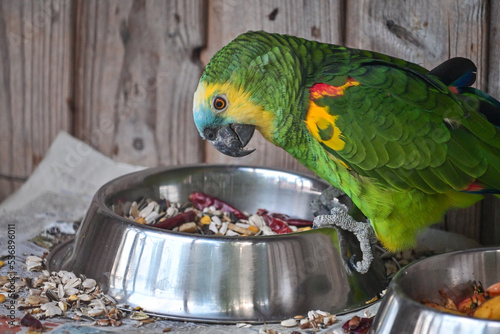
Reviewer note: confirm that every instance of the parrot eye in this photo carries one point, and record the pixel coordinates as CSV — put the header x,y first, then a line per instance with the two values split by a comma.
x,y
219,103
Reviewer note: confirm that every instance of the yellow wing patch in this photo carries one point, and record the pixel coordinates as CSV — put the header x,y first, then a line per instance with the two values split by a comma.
x,y
322,126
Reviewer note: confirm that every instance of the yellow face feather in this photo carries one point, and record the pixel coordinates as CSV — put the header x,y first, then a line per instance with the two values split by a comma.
x,y
240,108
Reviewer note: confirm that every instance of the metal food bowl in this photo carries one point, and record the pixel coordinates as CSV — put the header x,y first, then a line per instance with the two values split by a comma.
x,y
219,278
401,310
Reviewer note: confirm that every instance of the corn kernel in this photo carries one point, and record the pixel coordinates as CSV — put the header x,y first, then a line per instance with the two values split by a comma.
x,y
72,298
2,298
253,228
140,220
2,264
205,220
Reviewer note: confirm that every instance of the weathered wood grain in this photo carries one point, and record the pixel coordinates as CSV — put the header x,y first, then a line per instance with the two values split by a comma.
x,y
490,234
35,83
426,32
319,20
136,71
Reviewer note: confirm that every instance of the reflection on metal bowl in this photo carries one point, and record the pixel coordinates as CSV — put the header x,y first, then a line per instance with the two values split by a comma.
x,y
219,278
401,310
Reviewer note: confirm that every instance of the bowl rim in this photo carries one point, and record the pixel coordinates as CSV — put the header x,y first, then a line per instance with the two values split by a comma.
x,y
394,285
139,176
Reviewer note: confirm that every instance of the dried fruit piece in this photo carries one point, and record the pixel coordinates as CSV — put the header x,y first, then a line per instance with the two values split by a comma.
x,y
357,325
490,309
442,308
448,303
34,324
103,322
494,290
470,304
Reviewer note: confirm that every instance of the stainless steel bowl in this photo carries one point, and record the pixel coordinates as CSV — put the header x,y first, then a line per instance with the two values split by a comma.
x,y
402,312
218,278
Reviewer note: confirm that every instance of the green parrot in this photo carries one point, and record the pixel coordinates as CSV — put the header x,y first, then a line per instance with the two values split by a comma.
x,y
404,143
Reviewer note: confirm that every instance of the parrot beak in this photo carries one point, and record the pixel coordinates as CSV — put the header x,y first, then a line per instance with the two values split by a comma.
x,y
230,139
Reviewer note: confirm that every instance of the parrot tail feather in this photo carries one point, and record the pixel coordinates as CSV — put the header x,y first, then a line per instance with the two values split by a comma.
x,y
459,74
479,188
456,72
488,106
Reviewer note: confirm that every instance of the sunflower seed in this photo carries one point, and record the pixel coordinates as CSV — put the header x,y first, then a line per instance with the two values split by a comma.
x,y
63,306
84,297
51,309
212,227
289,323
34,263
139,315
94,312
223,228
89,283
148,209
216,220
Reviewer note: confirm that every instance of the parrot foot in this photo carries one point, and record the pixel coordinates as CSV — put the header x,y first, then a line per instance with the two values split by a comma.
x,y
326,200
362,230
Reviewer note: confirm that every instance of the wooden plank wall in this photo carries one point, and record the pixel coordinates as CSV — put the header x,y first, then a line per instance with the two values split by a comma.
x,y
120,74
35,84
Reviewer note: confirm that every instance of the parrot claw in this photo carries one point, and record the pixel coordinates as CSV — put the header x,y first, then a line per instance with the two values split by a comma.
x,y
324,202
362,230
352,264
362,266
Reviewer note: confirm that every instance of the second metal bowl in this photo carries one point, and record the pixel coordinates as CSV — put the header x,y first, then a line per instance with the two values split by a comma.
x,y
402,311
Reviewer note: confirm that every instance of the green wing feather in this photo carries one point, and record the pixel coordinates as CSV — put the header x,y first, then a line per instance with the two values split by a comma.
x,y
408,130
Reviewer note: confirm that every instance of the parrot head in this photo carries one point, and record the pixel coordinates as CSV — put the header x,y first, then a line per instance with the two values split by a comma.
x,y
243,88
221,116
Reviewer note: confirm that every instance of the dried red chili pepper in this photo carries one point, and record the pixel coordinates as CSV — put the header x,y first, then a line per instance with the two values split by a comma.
x,y
279,226
201,201
291,221
276,224
181,218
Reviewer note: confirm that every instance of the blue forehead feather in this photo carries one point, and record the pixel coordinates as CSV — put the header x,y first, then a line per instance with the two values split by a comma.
x,y
204,117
